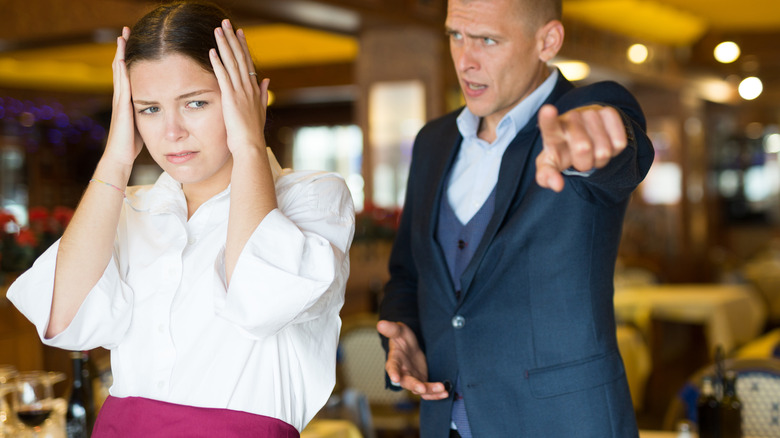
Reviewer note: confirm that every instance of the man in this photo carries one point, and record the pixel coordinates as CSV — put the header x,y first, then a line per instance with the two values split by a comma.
x,y
499,311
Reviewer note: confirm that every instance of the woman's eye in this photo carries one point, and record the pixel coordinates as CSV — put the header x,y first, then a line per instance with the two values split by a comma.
x,y
149,110
196,104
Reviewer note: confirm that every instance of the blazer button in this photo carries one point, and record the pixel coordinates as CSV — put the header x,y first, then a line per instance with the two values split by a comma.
x,y
458,321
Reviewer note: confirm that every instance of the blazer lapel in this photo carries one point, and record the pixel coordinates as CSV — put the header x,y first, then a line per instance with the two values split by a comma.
x,y
514,178
512,175
447,146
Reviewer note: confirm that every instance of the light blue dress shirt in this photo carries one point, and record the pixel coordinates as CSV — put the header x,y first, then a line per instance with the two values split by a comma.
x,y
475,172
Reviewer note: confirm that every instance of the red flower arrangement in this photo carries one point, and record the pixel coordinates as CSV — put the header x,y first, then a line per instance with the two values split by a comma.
x,y
376,223
20,246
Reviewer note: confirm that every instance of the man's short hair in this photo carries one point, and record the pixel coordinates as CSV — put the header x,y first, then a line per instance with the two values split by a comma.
x,y
535,13
540,12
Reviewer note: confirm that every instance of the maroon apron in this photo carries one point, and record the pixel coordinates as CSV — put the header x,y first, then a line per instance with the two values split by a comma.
x,y
142,417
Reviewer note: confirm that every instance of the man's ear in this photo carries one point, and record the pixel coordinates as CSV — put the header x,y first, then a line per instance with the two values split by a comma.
x,y
549,39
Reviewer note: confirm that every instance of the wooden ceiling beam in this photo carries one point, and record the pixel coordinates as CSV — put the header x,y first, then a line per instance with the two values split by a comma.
x,y
49,21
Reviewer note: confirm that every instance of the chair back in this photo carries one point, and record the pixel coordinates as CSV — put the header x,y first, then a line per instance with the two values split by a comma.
x,y
362,361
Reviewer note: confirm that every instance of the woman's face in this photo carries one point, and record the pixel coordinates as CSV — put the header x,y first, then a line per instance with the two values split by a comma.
x,y
178,112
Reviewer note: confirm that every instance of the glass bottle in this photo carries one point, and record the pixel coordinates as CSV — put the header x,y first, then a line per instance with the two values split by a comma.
x,y
708,410
80,414
730,408
684,429
89,374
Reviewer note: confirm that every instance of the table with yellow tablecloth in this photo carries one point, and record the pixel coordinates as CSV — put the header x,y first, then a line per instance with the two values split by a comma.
x,y
731,314
331,428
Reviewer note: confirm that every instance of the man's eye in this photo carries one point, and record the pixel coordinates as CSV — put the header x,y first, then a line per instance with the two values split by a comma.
x,y
489,41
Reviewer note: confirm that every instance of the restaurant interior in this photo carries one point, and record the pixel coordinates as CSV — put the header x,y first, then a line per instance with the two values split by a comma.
x,y
697,283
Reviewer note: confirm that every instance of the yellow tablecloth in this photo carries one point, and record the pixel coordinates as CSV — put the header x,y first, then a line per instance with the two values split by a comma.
x,y
661,434
331,429
636,358
732,314
665,434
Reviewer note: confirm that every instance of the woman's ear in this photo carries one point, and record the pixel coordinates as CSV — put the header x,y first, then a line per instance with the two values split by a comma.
x,y
549,39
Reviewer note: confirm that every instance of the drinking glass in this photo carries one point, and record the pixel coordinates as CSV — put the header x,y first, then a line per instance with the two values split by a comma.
x,y
33,399
7,373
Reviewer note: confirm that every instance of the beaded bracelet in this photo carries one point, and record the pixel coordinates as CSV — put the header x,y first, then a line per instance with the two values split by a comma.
x,y
110,185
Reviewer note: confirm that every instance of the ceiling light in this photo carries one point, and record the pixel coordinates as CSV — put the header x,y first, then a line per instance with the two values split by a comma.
x,y
772,143
727,52
637,53
750,88
640,19
573,70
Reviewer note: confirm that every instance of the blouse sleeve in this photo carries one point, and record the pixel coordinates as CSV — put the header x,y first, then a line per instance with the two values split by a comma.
x,y
102,319
295,265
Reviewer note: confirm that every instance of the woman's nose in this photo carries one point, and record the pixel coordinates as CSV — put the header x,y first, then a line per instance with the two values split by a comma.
x,y
175,129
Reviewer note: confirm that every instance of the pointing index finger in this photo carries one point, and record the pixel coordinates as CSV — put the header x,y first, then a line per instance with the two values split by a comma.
x,y
550,125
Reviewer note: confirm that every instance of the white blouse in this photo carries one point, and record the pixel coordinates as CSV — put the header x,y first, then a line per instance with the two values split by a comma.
x,y
266,344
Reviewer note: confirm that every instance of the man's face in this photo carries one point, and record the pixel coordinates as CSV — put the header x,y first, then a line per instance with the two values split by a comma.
x,y
496,57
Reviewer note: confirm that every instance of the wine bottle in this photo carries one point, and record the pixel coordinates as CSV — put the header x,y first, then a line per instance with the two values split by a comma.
x,y
730,408
80,413
708,410
89,374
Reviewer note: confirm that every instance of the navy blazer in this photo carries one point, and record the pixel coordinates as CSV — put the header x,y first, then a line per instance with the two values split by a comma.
x,y
532,335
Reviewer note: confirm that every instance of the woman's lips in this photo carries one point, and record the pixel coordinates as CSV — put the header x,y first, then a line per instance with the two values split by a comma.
x,y
180,157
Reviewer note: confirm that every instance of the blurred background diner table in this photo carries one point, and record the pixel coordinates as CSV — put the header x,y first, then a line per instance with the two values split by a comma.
x,y
666,332
731,314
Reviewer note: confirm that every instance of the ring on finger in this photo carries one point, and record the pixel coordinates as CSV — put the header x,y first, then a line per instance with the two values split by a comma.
x,y
251,73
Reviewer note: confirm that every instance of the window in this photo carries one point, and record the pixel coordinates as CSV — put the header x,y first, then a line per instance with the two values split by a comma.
x,y
333,148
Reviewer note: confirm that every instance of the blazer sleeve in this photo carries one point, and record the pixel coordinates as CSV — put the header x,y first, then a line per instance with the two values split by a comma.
x,y
616,181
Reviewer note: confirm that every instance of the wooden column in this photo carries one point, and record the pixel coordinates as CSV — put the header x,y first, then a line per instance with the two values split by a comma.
x,y
399,53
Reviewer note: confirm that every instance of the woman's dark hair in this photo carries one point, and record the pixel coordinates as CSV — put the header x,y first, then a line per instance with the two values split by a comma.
x,y
180,27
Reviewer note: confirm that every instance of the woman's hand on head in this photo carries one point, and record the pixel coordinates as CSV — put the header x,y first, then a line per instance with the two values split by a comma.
x,y
124,142
244,99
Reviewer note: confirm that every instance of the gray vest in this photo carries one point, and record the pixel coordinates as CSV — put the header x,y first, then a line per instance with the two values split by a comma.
x,y
459,242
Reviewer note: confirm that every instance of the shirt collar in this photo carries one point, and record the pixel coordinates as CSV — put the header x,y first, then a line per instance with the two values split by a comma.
x,y
517,117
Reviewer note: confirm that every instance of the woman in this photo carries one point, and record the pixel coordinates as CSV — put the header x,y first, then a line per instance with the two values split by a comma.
x,y
218,288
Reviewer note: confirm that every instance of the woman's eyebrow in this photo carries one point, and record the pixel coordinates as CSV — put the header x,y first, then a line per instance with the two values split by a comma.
x,y
193,93
183,96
